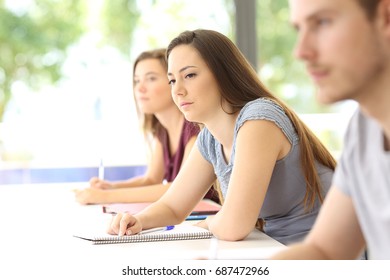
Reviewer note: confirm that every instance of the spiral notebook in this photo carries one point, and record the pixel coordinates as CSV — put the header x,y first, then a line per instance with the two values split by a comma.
x,y
179,232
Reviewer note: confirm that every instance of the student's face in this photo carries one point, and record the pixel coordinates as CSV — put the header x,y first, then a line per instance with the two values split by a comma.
x,y
151,88
193,86
343,51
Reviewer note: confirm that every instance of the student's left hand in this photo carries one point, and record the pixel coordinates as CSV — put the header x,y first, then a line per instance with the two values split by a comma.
x,y
89,195
124,224
203,223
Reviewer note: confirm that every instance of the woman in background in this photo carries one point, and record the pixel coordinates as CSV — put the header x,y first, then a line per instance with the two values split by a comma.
x,y
169,137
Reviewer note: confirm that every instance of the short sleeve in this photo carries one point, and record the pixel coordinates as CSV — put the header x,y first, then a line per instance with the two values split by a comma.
x,y
264,109
205,143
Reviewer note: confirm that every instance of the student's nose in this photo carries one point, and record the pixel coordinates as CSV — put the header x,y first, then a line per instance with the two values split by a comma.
x,y
141,88
304,47
178,89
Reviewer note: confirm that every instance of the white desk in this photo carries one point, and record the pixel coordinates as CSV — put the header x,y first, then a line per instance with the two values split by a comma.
x,y
38,222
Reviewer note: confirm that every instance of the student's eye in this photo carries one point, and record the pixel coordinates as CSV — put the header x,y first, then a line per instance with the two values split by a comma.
x,y
171,82
135,82
323,22
191,75
152,79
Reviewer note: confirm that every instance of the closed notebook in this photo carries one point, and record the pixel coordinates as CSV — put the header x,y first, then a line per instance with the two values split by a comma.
x,y
204,207
179,232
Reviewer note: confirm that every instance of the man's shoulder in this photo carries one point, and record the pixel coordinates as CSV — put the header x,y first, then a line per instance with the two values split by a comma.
x,y
362,125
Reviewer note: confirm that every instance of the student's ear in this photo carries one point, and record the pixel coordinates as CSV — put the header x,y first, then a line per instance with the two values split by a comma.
x,y
382,20
383,14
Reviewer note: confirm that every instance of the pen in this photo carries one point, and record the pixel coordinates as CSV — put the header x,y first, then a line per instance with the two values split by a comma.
x,y
196,217
101,170
213,250
157,229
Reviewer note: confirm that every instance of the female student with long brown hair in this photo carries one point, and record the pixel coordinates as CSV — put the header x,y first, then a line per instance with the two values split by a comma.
x,y
270,166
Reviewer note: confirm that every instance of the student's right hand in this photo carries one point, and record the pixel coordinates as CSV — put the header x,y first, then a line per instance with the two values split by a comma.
x,y
124,224
96,183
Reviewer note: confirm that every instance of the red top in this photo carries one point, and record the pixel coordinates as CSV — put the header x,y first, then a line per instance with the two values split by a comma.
x,y
173,162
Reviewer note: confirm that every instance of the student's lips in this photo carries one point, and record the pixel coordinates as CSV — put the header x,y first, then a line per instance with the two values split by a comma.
x,y
142,99
318,75
185,105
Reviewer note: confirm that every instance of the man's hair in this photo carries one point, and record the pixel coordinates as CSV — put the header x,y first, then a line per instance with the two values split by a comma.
x,y
369,7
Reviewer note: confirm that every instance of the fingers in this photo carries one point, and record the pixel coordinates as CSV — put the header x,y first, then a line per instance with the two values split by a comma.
x,y
124,224
112,226
93,182
84,196
97,183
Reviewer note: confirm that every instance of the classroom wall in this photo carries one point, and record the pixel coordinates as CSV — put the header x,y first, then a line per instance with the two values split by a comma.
x,y
71,174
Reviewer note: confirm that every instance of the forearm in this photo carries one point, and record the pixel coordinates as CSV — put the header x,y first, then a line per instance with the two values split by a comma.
x,y
157,215
301,251
137,194
229,227
139,181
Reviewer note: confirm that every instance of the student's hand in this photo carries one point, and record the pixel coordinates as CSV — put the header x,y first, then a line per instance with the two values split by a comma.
x,y
124,224
89,196
202,224
96,183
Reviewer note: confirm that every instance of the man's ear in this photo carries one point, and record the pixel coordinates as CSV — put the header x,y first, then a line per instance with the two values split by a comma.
x,y
383,14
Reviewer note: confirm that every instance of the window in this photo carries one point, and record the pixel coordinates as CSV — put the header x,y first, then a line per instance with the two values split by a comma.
x,y
66,78
88,113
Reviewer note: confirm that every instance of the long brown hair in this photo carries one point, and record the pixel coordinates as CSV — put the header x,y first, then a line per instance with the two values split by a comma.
x,y
150,125
238,84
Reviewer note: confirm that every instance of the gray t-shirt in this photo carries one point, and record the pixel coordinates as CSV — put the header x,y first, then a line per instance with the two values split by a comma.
x,y
282,210
363,174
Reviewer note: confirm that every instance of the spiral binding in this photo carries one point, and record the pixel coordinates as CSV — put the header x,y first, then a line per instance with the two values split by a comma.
x,y
152,237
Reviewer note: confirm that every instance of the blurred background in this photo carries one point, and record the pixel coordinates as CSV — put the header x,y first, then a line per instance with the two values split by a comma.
x,y
66,78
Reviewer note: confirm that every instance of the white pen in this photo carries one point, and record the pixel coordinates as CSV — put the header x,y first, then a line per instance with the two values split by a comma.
x,y
101,170
213,249
156,229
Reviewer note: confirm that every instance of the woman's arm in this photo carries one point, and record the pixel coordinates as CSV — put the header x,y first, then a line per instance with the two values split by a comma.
x,y
153,175
123,195
127,192
188,188
190,144
133,190
259,145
